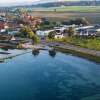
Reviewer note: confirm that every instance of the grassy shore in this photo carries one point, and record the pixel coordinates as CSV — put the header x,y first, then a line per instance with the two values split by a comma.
x,y
89,43
79,53
88,48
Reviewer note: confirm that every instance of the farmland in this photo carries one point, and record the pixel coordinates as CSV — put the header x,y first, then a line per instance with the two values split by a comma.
x,y
82,9
93,18
91,13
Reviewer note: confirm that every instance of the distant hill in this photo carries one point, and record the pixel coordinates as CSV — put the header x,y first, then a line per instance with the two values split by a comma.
x,y
69,3
53,4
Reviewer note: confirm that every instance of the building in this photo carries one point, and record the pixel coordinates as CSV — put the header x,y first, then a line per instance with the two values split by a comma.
x,y
43,33
59,36
1,24
86,32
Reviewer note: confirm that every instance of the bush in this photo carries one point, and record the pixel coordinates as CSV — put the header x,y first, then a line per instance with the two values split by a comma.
x,y
51,35
35,39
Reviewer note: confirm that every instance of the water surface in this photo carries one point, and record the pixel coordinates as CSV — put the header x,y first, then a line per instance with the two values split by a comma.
x,y
45,77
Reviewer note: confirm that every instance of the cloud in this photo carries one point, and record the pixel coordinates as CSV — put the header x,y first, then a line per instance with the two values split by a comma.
x,y
27,1
16,2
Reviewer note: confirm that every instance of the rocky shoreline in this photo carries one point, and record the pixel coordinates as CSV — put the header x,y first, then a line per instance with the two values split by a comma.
x,y
13,53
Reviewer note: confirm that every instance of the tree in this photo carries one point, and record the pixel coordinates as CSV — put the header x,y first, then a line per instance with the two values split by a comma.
x,y
30,33
70,31
35,39
55,10
20,10
26,32
84,21
46,25
77,21
51,35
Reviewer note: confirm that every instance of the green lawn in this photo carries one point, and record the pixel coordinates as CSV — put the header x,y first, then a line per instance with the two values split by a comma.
x,y
72,9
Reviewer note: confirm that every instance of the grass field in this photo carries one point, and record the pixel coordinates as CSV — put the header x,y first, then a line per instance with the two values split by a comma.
x,y
71,9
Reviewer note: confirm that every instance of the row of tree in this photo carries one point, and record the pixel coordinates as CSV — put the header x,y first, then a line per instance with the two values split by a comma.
x,y
78,21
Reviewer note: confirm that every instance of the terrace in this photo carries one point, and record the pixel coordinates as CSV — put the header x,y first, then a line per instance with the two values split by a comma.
x,y
9,41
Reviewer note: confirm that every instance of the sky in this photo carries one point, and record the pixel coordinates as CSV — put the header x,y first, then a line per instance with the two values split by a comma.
x,y
22,2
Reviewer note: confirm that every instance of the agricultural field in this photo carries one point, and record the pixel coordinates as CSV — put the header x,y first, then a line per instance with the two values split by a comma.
x,y
71,9
93,18
91,13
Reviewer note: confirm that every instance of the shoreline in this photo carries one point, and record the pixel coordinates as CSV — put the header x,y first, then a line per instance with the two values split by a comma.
x,y
89,54
21,52
86,53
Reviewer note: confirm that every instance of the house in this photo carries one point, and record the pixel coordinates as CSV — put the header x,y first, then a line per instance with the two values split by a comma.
x,y
1,24
12,24
40,33
4,26
4,37
86,32
13,38
43,33
85,27
58,34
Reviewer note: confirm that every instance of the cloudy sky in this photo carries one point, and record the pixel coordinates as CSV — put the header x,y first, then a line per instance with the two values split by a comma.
x,y
17,2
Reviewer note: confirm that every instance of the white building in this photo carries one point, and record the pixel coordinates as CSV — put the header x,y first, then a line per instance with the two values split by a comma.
x,y
43,33
59,36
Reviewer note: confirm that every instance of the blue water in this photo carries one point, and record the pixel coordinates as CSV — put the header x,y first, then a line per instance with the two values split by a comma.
x,y
42,77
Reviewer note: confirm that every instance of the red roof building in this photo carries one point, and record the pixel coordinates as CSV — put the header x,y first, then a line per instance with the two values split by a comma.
x,y
1,25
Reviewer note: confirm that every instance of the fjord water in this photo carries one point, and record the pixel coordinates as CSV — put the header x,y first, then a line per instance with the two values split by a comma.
x,y
45,77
